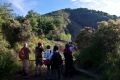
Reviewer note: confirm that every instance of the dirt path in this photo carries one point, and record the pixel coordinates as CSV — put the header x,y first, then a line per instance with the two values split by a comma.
x,y
44,77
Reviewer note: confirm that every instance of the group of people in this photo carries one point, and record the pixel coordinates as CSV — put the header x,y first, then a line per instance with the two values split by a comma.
x,y
51,58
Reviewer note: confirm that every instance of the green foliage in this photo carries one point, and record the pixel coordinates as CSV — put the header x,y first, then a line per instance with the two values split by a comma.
x,y
46,24
76,19
112,67
109,35
20,19
99,49
8,65
3,45
65,37
105,42
25,31
84,39
11,31
15,31
51,26
33,18
43,24
6,11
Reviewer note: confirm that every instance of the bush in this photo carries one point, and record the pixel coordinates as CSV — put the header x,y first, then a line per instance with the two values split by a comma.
x,y
65,37
112,68
11,31
84,39
91,57
103,52
8,65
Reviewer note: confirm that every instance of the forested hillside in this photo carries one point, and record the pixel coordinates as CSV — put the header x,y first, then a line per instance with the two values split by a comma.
x,y
82,17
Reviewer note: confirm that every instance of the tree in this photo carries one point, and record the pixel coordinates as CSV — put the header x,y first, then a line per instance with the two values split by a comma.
x,y
108,33
11,30
7,24
6,11
103,47
46,24
33,18
84,39
65,37
20,19
25,31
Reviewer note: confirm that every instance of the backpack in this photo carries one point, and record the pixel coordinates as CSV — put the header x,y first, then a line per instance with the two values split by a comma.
x,y
21,54
57,59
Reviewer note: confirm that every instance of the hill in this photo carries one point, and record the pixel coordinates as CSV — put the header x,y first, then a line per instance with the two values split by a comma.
x,y
81,17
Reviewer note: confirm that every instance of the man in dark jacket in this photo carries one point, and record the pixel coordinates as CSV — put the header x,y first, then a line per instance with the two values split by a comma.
x,y
38,58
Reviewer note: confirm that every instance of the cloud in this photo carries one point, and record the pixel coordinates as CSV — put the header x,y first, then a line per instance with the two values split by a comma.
x,y
19,4
73,0
109,6
23,6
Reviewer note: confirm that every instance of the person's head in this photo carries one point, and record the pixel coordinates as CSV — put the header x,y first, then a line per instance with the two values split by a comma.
x,y
55,48
25,45
48,46
39,44
70,43
67,46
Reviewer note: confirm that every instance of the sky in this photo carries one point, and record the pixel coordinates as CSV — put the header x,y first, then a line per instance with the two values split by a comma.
x,y
21,7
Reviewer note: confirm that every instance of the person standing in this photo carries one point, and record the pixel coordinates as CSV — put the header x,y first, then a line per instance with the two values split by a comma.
x,y
38,58
68,60
56,62
47,55
24,56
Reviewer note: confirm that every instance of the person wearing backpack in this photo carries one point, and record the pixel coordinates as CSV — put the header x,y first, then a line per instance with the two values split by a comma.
x,y
24,56
38,58
68,61
47,55
56,62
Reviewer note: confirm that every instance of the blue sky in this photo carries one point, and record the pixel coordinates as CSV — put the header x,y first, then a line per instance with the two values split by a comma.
x,y
21,7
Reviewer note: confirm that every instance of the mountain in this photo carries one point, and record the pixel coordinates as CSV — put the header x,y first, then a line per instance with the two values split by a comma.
x,y
80,18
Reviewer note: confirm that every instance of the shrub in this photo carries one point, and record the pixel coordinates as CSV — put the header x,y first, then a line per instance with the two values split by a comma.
x,y
8,65
84,39
105,42
65,37
112,68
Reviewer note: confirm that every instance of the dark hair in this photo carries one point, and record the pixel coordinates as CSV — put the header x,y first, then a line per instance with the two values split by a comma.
x,y
67,46
48,46
55,48
39,44
70,42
